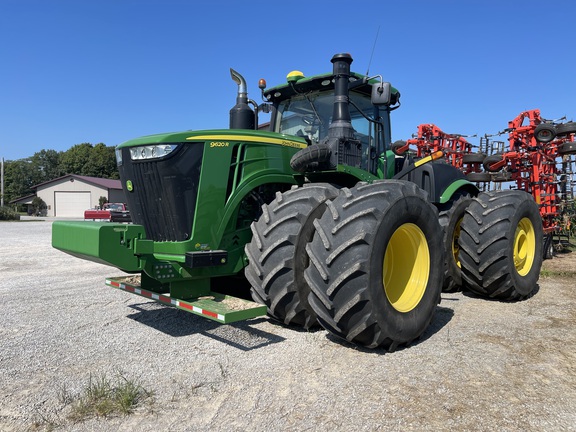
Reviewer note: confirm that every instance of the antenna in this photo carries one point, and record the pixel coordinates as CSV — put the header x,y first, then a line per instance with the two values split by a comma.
x,y
372,53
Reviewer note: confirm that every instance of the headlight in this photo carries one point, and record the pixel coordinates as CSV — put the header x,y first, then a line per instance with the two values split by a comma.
x,y
118,157
151,151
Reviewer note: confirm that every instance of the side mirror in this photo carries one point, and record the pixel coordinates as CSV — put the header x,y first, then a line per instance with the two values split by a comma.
x,y
381,93
265,108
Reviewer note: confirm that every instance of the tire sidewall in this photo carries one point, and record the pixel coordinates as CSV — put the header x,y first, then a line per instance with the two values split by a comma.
x,y
411,324
527,208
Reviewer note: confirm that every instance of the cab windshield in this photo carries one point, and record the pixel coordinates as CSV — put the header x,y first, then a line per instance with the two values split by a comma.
x,y
309,116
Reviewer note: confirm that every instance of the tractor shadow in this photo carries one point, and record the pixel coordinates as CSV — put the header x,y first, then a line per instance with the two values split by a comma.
x,y
470,294
244,336
441,318
177,323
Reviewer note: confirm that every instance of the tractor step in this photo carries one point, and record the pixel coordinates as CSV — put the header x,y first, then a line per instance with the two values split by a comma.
x,y
215,306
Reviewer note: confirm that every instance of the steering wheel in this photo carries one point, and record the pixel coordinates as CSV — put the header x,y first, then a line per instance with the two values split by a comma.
x,y
309,119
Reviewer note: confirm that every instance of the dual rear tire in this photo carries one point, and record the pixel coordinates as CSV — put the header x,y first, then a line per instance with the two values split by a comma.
x,y
277,256
501,240
368,263
493,244
376,264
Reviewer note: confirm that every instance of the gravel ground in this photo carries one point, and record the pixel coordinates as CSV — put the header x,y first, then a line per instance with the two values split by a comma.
x,y
481,366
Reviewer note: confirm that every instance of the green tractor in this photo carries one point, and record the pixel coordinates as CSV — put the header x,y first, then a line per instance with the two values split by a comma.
x,y
325,222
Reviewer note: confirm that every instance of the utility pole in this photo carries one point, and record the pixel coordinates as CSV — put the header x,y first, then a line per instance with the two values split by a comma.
x,y
2,183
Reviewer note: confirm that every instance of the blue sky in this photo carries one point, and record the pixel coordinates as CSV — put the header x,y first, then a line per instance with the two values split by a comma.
x,y
74,71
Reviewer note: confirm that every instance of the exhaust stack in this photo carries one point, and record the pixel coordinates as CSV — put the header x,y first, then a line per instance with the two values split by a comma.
x,y
241,115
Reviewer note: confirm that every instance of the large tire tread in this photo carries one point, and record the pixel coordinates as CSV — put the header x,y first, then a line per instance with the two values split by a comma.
x,y
487,245
276,255
342,275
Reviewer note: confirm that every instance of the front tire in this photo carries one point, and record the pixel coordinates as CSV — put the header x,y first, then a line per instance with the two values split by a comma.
x,y
277,256
376,264
501,243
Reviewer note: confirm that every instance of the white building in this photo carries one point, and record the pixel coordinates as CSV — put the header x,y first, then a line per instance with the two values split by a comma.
x,y
70,195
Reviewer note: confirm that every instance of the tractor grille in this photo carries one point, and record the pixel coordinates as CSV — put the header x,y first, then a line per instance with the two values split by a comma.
x,y
164,192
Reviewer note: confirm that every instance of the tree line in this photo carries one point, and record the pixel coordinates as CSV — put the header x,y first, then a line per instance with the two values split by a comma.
x,y
83,159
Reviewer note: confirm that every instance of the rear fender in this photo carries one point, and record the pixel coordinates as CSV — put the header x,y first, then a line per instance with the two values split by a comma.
x,y
439,179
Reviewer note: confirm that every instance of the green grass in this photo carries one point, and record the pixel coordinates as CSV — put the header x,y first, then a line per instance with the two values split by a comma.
x,y
552,273
557,273
104,397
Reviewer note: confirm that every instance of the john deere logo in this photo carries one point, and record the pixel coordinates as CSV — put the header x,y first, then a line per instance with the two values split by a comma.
x,y
129,185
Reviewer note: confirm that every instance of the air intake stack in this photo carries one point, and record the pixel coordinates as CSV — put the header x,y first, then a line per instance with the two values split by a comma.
x,y
341,126
339,146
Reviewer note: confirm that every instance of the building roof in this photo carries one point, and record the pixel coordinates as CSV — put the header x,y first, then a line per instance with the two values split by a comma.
x,y
102,182
23,200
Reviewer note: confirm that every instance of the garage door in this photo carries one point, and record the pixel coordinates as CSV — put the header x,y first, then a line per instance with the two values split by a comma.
x,y
71,204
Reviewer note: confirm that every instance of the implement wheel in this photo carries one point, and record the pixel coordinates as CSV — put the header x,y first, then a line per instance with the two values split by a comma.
x,y
479,177
473,158
568,147
450,218
566,128
492,160
545,132
376,264
501,242
548,252
277,256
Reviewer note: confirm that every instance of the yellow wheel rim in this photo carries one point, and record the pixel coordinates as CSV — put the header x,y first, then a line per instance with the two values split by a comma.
x,y
524,246
455,245
406,267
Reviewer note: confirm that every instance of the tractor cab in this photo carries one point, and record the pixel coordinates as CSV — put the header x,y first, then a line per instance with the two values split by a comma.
x,y
304,107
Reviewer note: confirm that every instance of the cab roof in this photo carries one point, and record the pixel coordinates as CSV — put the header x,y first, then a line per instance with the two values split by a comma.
x,y
316,83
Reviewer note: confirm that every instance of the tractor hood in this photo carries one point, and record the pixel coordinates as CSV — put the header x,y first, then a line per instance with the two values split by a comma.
x,y
252,136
